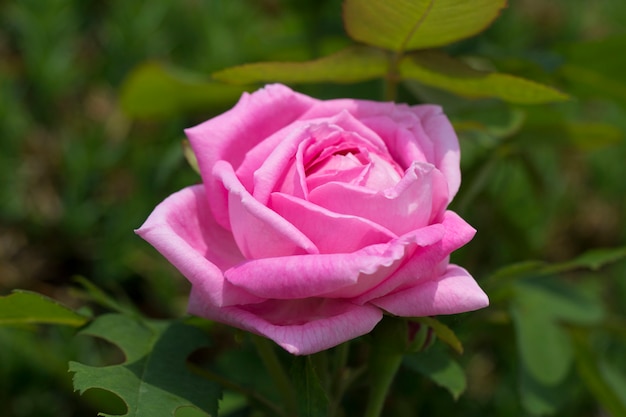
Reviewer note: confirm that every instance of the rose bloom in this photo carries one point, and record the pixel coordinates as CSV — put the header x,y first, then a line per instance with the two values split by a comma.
x,y
316,217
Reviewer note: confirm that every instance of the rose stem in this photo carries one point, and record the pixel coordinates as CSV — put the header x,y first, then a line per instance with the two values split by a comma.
x,y
277,373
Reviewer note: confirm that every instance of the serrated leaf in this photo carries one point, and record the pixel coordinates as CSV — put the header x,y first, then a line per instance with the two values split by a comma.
x,y
440,368
352,64
401,25
436,69
153,90
443,332
154,379
24,307
312,399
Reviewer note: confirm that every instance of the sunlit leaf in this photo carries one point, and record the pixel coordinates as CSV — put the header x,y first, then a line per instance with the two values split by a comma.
x,y
402,25
22,307
435,69
438,366
352,64
154,379
154,90
190,156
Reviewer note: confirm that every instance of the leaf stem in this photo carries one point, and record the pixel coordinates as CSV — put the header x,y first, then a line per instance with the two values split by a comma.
x,y
277,373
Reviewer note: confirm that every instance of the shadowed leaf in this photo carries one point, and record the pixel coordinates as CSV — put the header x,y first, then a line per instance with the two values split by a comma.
x,y
154,90
154,379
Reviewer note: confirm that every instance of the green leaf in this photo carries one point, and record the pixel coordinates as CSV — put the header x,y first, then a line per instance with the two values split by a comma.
x,y
154,379
352,64
443,332
539,398
440,368
154,90
190,156
607,388
560,301
23,307
543,345
312,399
401,25
596,68
436,69
593,259
585,136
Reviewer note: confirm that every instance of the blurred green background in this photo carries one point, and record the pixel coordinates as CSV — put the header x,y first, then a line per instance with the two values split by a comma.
x,y
85,154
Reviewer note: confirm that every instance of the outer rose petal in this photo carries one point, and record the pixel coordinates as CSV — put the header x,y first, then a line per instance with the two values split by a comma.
x,y
182,229
301,327
336,275
426,261
232,134
451,293
259,231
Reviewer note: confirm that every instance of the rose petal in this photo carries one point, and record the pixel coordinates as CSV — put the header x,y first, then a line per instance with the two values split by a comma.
x,y
416,201
329,231
426,261
259,231
432,138
232,134
337,275
301,327
182,229
302,141
451,293
446,144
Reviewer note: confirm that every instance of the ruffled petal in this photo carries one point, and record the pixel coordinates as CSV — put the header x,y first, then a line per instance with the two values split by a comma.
x,y
336,275
259,231
329,231
447,154
301,327
427,261
451,293
232,134
417,200
183,230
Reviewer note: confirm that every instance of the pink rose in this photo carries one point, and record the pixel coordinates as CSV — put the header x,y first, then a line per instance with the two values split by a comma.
x,y
317,217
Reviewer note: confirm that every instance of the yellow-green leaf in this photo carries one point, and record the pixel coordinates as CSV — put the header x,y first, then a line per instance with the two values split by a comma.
x,y
352,64
22,307
443,332
402,25
154,90
436,69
